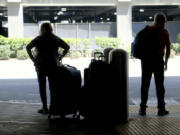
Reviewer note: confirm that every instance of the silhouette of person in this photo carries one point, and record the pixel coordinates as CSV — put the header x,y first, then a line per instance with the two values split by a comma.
x,y
158,44
46,60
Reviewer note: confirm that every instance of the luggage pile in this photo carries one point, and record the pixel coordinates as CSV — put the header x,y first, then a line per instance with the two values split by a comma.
x,y
103,97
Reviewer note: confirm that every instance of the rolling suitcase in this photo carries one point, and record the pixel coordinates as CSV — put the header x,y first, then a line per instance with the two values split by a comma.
x,y
95,89
96,69
64,100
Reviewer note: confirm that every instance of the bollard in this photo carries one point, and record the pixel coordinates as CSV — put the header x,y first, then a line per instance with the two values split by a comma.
x,y
118,59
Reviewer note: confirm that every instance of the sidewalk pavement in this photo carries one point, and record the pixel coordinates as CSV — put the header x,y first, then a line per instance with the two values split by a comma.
x,y
23,119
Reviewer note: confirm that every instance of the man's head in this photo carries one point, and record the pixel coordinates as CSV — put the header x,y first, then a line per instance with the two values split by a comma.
x,y
160,20
46,28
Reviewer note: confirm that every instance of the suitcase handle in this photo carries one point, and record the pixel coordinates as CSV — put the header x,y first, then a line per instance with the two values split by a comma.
x,y
66,65
101,55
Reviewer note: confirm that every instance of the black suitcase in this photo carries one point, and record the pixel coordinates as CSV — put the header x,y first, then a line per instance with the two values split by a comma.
x,y
96,88
65,99
94,73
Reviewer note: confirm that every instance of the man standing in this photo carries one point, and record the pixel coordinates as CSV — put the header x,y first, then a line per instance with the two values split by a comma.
x,y
157,44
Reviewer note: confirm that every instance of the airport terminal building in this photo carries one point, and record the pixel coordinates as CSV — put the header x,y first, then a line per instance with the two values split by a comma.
x,y
86,18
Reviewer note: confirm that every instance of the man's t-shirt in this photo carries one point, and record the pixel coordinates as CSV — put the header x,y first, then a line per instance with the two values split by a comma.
x,y
155,42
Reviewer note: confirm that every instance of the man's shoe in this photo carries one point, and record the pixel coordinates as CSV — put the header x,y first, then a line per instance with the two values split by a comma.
x,y
142,112
43,111
162,112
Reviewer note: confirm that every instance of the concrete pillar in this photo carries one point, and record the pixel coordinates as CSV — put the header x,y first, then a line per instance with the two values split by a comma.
x,y
124,21
15,19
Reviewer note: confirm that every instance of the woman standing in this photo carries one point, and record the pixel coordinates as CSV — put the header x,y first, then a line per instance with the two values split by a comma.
x,y
46,61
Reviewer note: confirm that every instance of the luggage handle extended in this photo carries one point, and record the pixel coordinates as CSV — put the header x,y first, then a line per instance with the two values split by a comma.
x,y
101,55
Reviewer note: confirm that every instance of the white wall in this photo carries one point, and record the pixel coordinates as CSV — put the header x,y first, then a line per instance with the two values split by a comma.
x,y
15,20
71,2
124,22
90,30
155,2
31,30
3,2
100,2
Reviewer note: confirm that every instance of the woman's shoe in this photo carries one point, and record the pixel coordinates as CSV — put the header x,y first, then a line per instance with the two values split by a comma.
x,y
43,111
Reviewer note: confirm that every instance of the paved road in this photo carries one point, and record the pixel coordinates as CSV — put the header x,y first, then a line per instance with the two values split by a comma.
x,y
18,81
26,90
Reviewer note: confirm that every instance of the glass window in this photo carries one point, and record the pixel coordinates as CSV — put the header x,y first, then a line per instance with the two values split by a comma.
x,y
70,14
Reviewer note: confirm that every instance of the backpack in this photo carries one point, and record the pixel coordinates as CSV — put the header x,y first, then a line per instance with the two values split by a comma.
x,y
138,48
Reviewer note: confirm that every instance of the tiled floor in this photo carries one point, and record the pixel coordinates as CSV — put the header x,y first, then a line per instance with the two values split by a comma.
x,y
151,126
22,119
152,111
